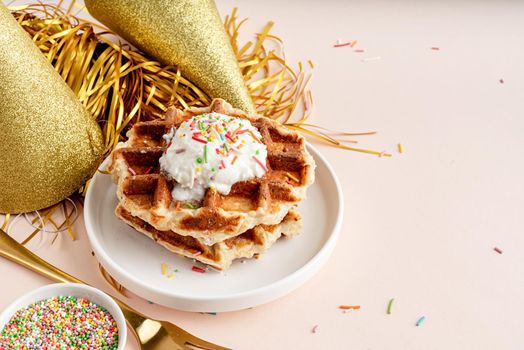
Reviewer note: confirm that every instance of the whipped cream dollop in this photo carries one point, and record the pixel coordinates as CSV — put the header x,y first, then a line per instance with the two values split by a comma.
x,y
212,150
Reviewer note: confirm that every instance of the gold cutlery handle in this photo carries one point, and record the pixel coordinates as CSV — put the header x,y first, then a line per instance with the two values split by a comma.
x,y
14,251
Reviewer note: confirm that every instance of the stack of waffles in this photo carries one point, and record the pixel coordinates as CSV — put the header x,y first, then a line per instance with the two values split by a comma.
x,y
221,228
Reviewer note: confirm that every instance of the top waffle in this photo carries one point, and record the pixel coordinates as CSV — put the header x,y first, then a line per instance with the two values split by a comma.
x,y
145,192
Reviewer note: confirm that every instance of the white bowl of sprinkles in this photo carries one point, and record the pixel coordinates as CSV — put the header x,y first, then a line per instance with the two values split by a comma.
x,y
63,315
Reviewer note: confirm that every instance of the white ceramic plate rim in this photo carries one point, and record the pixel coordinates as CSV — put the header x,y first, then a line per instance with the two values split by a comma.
x,y
300,274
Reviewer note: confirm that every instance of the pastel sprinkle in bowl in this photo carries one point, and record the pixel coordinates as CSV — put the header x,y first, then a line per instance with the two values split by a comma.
x,y
70,292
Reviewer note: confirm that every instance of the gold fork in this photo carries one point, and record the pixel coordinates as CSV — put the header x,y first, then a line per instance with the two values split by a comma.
x,y
151,334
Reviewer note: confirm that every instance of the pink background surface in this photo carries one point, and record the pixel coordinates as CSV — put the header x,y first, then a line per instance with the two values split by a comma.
x,y
419,227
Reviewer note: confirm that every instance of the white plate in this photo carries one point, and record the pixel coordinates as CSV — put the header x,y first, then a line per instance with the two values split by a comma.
x,y
135,260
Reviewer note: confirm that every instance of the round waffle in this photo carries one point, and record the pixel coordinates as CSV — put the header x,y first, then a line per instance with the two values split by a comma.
x,y
220,255
145,192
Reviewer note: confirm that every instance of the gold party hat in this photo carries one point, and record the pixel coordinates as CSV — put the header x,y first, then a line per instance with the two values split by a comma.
x,y
185,33
49,144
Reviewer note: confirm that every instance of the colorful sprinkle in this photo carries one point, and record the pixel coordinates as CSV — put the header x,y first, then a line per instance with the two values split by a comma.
x,y
198,269
342,44
435,48
501,81
237,130
205,153
390,305
314,329
349,307
132,171
400,148
164,268
355,42
260,163
498,250
420,321
199,139
253,136
293,177
63,322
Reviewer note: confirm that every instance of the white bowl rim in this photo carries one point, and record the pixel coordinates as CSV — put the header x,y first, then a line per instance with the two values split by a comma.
x,y
320,255
17,304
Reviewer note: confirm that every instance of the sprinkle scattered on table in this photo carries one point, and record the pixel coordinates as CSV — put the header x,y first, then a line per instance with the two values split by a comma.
x,y
359,50
342,44
498,250
349,307
501,81
390,306
420,321
434,48
314,329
